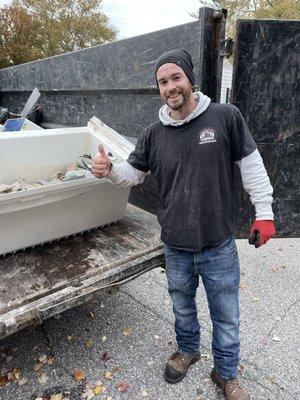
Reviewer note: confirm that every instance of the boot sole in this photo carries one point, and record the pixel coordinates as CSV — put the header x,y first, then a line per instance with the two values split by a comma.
x,y
182,376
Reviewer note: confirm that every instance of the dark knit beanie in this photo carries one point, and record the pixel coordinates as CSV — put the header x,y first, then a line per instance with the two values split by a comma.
x,y
180,57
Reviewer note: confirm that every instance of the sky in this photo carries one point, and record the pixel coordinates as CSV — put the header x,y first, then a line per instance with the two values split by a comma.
x,y
136,17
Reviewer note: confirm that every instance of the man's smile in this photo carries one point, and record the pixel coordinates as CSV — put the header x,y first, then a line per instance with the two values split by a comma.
x,y
174,96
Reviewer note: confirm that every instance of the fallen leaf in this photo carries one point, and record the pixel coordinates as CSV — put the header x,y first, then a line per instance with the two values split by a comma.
x,y
205,355
127,331
43,358
122,387
90,314
241,368
144,393
243,287
43,378
105,356
89,343
113,289
274,269
108,375
156,337
200,397
88,394
50,360
98,389
70,338
109,398
58,396
276,338
22,381
4,380
78,374
104,338
17,374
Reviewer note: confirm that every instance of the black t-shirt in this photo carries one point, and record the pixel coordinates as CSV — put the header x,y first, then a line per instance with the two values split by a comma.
x,y
193,165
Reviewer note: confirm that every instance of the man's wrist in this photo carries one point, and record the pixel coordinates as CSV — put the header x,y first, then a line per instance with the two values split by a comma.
x,y
263,211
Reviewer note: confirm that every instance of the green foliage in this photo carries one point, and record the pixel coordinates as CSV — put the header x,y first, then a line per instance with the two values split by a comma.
x,y
257,9
34,29
279,9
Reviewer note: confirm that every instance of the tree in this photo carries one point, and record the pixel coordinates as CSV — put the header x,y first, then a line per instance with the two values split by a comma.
x,y
17,43
259,9
279,9
33,29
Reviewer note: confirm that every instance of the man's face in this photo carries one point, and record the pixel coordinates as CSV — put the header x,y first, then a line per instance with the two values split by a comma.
x,y
174,86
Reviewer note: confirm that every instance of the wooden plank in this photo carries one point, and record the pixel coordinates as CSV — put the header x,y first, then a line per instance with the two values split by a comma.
x,y
48,279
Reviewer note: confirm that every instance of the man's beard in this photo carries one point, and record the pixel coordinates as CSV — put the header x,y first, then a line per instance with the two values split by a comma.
x,y
184,100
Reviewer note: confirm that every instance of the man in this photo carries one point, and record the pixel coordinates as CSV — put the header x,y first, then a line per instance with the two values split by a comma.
x,y
191,152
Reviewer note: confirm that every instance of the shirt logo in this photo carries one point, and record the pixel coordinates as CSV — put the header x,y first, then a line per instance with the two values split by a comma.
x,y
207,135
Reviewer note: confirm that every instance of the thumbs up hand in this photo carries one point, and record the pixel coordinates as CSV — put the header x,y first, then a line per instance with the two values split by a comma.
x,y
101,163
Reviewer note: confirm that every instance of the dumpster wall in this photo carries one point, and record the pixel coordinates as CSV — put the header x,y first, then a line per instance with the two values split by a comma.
x,y
266,89
115,82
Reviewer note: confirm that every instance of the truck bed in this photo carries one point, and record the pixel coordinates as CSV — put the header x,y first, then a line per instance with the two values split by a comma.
x,y
41,282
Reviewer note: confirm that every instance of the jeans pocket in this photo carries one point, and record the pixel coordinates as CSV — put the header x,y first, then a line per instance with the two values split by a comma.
x,y
169,251
228,246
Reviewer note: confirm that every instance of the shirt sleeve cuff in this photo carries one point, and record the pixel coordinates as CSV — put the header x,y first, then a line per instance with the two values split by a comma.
x,y
263,211
113,176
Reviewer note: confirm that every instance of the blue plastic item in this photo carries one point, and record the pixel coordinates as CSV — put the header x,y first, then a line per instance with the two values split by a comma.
x,y
13,125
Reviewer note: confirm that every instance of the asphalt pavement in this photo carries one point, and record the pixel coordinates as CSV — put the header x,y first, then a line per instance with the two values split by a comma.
x,y
115,347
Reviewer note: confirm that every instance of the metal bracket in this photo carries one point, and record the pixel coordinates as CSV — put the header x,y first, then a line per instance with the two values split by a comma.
x,y
226,47
220,14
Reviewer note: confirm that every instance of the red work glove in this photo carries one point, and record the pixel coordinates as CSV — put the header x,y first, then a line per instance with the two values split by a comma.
x,y
261,232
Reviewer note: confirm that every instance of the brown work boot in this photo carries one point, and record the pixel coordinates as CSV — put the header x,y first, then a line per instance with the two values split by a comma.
x,y
178,365
230,388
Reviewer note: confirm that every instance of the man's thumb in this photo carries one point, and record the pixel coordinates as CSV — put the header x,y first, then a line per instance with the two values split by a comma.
x,y
101,151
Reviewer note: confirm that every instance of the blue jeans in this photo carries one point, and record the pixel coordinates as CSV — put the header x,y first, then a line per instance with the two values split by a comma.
x,y
220,272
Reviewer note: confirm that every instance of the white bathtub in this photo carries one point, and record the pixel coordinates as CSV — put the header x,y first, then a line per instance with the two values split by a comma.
x,y
39,215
